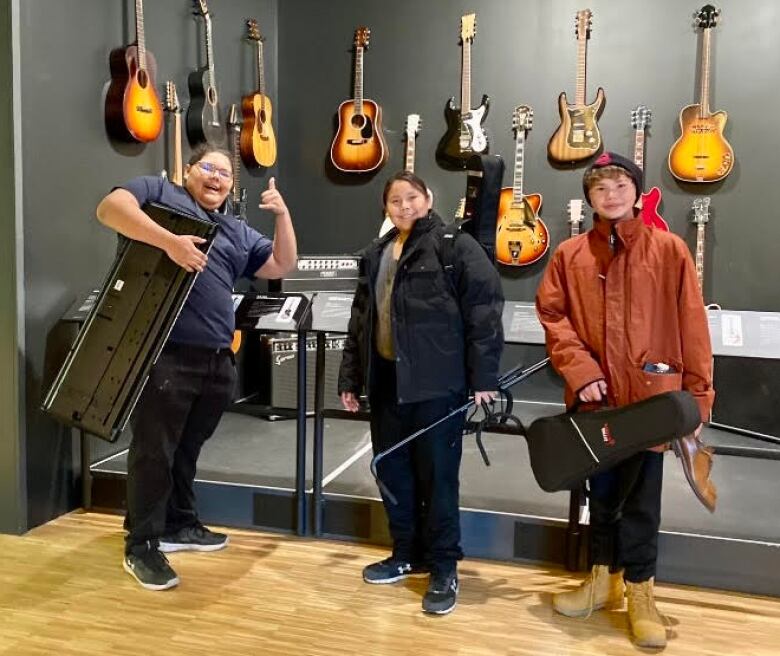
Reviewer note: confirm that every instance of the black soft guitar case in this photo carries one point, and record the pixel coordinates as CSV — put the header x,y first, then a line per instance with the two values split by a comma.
x,y
568,448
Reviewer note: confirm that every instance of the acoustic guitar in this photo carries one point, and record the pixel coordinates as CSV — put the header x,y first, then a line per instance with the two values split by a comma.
x,y
640,121
465,135
133,111
172,107
359,145
702,154
204,122
578,136
258,143
521,236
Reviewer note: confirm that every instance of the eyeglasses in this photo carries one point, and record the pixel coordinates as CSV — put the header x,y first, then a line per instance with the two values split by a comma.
x,y
209,168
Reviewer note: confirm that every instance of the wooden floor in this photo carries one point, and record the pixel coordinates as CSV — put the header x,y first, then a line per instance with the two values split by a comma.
x,y
63,591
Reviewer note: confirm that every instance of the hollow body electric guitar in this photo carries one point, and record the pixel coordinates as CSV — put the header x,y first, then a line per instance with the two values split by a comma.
x,y
702,154
133,111
258,143
359,145
204,122
578,136
465,135
640,121
175,167
521,236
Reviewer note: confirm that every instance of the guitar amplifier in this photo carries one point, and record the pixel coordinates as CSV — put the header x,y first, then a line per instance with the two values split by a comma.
x,y
320,273
279,370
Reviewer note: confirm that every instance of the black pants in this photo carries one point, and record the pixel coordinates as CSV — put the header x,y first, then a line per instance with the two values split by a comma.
x,y
625,515
423,476
188,390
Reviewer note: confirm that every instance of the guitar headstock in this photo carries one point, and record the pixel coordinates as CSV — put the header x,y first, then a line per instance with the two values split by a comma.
x,y
460,211
413,125
171,98
522,118
707,17
362,36
576,210
468,27
583,23
640,118
701,210
253,31
201,9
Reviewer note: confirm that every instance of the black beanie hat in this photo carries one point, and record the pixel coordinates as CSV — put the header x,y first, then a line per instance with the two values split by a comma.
x,y
613,159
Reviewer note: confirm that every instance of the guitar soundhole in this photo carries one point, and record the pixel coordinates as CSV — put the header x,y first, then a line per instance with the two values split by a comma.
x,y
358,121
261,116
143,78
211,96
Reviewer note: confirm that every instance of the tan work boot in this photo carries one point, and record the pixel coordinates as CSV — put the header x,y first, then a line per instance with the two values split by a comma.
x,y
599,590
646,623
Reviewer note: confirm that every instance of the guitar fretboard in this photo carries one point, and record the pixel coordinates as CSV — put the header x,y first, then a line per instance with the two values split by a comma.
x,y
410,148
704,101
209,53
517,184
639,148
582,53
359,80
700,256
139,34
260,72
465,81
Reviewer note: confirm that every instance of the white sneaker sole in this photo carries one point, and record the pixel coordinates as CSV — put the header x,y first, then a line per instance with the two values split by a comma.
x,y
150,586
441,612
170,547
395,579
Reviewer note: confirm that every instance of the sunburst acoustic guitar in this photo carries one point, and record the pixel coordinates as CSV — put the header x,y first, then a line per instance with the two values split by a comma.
x,y
258,142
521,236
702,154
359,145
133,111
578,136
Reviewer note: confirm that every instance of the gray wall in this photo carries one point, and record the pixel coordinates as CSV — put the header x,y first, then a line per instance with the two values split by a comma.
x,y
69,164
525,52
12,499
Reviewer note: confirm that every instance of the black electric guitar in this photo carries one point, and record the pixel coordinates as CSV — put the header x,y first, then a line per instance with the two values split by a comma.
x,y
465,134
203,116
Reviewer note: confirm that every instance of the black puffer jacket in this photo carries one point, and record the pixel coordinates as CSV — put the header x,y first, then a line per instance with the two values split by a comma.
x,y
446,328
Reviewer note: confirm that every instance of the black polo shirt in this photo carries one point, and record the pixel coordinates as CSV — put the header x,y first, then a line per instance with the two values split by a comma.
x,y
207,318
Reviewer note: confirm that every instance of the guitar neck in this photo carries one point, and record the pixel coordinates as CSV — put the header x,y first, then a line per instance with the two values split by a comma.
x,y
410,148
465,78
177,175
359,80
639,148
700,256
139,34
704,102
236,152
209,53
260,70
575,228
582,53
517,183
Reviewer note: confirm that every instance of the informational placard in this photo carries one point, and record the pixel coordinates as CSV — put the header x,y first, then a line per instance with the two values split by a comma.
x,y
521,324
330,311
287,312
745,334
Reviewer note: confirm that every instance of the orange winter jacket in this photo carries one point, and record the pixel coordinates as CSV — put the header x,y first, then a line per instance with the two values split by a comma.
x,y
630,313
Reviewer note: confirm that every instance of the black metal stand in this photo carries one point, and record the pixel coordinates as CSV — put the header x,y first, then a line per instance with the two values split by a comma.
x,y
300,443
86,471
319,429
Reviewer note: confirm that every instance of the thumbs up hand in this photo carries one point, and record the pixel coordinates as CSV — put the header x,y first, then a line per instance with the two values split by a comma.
x,y
272,200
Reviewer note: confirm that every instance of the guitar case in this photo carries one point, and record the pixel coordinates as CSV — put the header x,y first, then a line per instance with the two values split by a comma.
x,y
566,449
483,191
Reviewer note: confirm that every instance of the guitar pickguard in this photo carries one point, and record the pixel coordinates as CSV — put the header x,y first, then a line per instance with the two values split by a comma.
x,y
584,132
476,138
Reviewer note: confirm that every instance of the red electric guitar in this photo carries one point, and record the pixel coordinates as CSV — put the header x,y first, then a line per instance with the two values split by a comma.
x,y
640,121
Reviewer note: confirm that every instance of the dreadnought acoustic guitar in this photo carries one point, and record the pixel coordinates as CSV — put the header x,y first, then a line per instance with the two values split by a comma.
x,y
359,145
578,137
521,236
133,111
258,143
702,154
465,135
172,107
640,121
204,122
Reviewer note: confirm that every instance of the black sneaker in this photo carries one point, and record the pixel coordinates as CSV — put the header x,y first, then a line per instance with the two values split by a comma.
x,y
391,570
193,538
150,568
442,594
